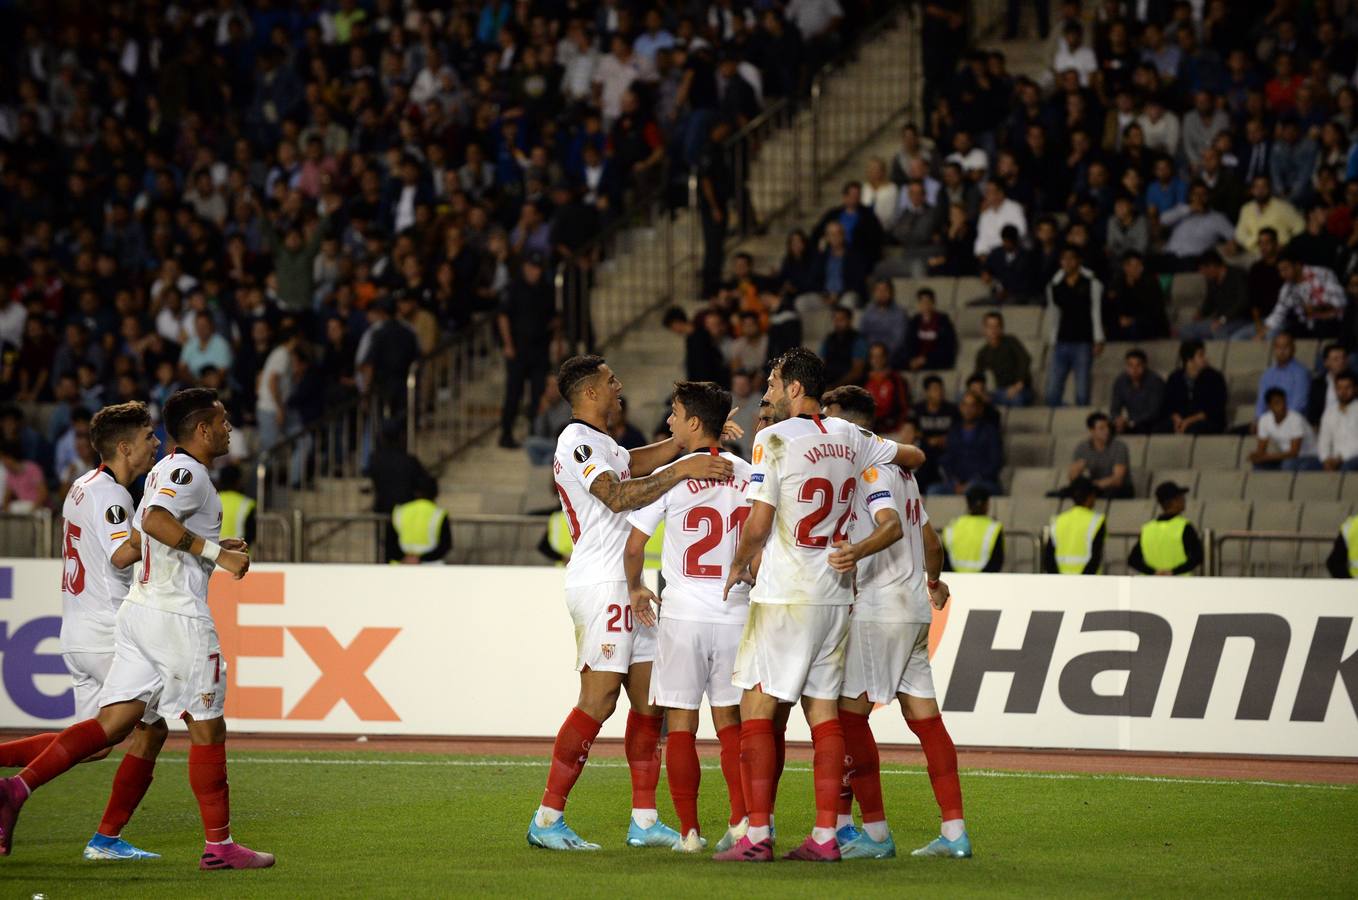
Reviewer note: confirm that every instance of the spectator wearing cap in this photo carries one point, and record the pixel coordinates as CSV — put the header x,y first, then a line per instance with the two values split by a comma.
x,y
930,338
1343,559
1103,459
1195,394
974,542
1286,440
525,322
973,455
1196,229
1310,302
1074,327
1004,359
1285,373
1266,211
1338,446
1134,307
1137,404
1077,535
1224,313
1168,544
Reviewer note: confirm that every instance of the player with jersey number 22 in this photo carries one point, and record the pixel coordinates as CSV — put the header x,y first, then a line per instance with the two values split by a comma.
x,y
166,654
599,482
802,488
697,634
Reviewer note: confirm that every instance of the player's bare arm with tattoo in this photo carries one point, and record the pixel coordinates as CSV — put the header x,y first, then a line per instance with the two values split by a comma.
x,y
635,493
161,525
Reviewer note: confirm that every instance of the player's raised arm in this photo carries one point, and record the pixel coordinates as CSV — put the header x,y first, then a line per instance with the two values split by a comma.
x,y
846,555
161,525
634,493
646,460
753,536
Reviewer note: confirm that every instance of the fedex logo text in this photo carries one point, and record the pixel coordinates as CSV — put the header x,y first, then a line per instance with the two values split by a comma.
x,y
343,669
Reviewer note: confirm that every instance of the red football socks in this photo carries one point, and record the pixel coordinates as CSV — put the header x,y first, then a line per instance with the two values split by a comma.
x,y
681,761
207,777
129,786
941,758
569,754
641,743
24,750
862,765
756,765
730,770
827,766
779,758
69,748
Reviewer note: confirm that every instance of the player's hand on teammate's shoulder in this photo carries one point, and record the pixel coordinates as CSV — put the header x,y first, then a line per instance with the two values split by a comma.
x,y
234,561
706,466
845,556
731,431
642,597
939,594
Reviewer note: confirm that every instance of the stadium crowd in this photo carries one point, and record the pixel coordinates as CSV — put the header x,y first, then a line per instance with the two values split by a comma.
x,y
291,202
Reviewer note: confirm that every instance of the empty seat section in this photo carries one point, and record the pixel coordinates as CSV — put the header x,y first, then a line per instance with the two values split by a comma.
x,y
1221,484
1022,450
1222,516
1270,557
1169,451
1034,482
1216,451
1268,486
1028,420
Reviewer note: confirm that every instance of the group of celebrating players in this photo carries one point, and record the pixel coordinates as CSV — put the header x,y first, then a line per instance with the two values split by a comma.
x,y
805,575
136,631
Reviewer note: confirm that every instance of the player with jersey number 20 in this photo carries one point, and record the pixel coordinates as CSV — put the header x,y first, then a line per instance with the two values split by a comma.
x,y
802,488
599,482
898,557
697,634
166,655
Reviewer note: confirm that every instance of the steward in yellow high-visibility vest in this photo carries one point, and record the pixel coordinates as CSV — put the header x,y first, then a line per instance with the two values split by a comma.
x,y
1343,559
974,542
419,531
1169,544
238,509
1077,535
556,544
655,548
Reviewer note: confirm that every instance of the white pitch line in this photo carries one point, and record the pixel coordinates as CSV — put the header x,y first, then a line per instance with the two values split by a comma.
x,y
967,773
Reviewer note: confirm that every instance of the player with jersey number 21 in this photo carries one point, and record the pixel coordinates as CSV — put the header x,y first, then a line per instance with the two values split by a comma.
x,y
167,658
805,475
897,557
697,634
599,482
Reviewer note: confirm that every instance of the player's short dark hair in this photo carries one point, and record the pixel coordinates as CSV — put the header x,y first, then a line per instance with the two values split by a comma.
x,y
706,400
1274,392
1095,418
855,404
1137,353
117,423
575,371
804,367
186,408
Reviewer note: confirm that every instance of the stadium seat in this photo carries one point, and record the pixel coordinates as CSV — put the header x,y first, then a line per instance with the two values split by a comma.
x,y
1032,514
1064,450
966,355
943,508
1241,388
1028,420
944,290
1308,351
1274,558
1024,322
1221,484
1183,477
1168,451
1348,491
1071,420
1228,515
1246,357
1324,516
1268,486
1162,356
1216,451
1188,289
1034,481
1317,486
1101,388
1136,450
1126,517
1243,416
1216,353
1141,483
1022,450
968,320
968,289
1114,357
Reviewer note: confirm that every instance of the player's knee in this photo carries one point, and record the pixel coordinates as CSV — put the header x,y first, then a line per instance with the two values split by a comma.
x,y
919,707
147,740
99,754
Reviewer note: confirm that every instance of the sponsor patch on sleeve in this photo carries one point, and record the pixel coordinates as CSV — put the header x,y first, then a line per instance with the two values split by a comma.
x,y
757,477
879,495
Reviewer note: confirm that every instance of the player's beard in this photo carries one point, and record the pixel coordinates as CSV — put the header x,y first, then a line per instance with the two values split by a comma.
x,y
782,408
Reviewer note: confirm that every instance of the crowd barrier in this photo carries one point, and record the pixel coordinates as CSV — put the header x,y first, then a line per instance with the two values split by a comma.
x,y
1257,666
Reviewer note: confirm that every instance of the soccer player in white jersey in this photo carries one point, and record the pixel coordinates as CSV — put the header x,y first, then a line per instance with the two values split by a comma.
x,y
600,482
697,633
167,657
99,547
806,471
898,557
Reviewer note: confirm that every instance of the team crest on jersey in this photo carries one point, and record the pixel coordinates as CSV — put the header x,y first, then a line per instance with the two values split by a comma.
x,y
115,515
181,476
207,699
607,650
583,452
758,456
870,475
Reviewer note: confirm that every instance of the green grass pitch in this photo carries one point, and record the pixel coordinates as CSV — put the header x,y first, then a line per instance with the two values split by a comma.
x,y
366,825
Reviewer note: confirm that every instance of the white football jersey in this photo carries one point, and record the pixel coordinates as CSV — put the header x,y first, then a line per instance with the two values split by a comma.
x,y
703,519
807,468
168,579
583,453
891,582
98,514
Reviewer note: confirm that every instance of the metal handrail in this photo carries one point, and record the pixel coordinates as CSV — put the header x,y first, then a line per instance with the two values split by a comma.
x,y
1033,538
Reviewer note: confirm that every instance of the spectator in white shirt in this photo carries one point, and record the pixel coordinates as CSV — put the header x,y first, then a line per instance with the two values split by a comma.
x,y
1286,440
579,60
880,193
814,18
966,154
1310,302
997,211
615,75
1073,54
1160,127
1338,446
